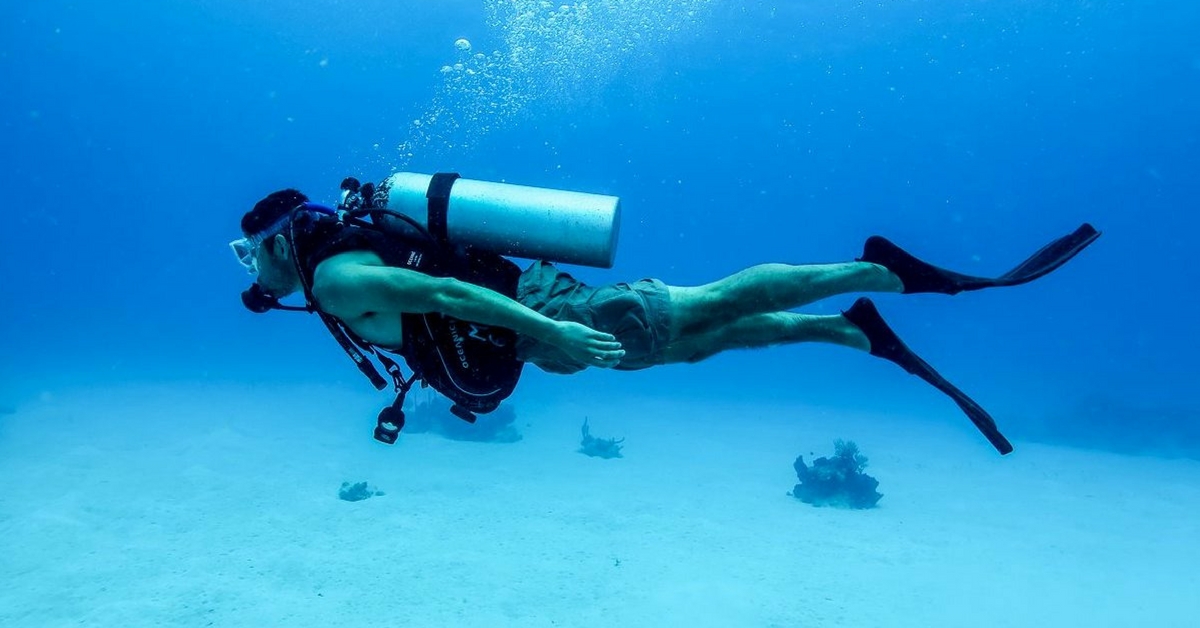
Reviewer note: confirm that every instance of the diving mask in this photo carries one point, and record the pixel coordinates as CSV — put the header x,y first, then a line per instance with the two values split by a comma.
x,y
246,249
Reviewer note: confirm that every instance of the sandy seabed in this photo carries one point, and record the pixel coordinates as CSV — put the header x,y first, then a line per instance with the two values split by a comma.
x,y
216,505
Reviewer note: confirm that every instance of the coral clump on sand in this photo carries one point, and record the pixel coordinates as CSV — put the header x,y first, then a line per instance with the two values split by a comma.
x,y
357,492
599,447
837,481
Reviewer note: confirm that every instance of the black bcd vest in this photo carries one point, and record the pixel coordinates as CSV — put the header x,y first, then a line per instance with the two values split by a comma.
x,y
473,365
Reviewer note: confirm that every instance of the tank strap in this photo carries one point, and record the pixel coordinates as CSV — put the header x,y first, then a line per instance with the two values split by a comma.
x,y
438,194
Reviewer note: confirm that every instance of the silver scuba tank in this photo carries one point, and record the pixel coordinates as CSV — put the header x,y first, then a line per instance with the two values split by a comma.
x,y
514,220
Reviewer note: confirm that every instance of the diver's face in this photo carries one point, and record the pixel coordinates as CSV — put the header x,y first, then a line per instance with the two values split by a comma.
x,y
276,272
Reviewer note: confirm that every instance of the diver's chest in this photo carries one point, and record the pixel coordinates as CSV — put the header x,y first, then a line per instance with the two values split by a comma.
x,y
385,330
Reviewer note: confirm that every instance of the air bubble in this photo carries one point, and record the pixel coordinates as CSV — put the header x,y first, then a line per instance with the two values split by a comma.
x,y
552,54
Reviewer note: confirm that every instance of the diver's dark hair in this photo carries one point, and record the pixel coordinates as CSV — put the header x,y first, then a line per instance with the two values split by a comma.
x,y
271,209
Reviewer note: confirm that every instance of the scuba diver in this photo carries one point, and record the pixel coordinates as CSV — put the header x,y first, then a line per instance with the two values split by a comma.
x,y
465,319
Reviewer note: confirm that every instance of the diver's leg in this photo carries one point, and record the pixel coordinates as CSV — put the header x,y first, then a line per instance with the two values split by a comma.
x,y
860,327
764,330
770,288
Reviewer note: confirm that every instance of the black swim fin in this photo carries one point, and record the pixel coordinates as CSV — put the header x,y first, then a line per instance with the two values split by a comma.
x,y
919,276
887,345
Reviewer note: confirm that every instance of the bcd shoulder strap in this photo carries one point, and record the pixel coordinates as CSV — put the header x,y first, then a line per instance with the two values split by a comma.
x,y
390,420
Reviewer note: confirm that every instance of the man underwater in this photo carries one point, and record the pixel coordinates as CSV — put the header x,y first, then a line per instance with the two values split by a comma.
x,y
455,316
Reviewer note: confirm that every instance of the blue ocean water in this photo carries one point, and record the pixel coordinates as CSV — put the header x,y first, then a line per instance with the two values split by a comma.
x,y
735,133
135,135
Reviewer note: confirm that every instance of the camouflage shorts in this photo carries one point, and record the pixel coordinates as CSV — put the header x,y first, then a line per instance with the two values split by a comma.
x,y
638,314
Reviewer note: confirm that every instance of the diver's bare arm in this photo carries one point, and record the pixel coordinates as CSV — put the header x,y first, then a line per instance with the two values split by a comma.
x,y
469,302
349,288
357,284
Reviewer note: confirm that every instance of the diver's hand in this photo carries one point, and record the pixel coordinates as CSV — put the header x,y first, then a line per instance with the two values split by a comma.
x,y
588,346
